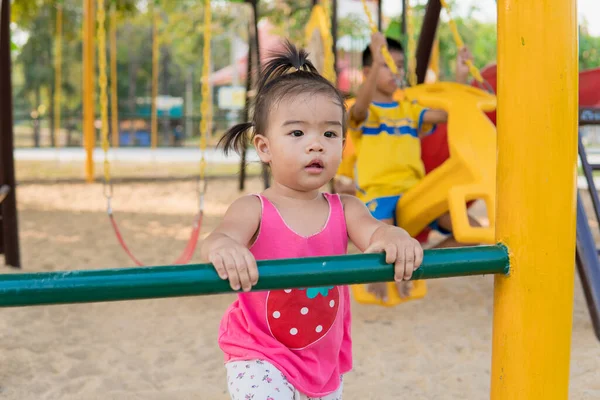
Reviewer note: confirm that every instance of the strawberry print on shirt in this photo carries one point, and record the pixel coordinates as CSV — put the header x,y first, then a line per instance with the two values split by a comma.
x,y
300,317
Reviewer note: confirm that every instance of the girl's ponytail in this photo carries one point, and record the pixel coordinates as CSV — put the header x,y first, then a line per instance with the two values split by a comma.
x,y
290,59
236,138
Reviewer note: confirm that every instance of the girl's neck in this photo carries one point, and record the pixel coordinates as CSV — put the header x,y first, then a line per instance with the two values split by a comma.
x,y
286,192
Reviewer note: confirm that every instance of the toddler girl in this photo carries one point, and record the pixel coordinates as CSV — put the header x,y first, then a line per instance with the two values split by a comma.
x,y
294,344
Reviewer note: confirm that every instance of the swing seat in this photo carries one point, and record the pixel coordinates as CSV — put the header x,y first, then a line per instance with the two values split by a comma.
x,y
468,174
362,296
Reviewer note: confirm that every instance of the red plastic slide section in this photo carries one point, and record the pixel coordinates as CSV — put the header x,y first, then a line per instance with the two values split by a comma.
x,y
434,148
589,88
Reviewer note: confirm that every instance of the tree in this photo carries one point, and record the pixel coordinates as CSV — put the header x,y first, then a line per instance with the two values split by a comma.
x,y
288,17
34,60
589,48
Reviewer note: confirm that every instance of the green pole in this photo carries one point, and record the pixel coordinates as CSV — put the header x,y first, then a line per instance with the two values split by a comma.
x,y
201,279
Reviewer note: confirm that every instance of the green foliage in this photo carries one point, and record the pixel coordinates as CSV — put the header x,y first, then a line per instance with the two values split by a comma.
x,y
589,49
23,12
182,42
479,37
34,61
288,17
180,38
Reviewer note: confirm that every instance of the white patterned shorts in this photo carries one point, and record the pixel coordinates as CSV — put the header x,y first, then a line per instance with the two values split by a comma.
x,y
260,380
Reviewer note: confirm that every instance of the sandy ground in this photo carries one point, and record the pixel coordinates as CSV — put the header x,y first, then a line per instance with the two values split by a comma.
x,y
436,348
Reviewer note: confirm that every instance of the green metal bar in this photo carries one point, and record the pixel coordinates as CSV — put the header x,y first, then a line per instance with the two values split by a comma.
x,y
201,279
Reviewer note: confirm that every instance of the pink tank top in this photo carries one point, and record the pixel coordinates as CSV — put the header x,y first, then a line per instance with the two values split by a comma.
x,y
305,333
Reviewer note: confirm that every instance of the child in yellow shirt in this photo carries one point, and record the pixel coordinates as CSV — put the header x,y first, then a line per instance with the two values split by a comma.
x,y
385,134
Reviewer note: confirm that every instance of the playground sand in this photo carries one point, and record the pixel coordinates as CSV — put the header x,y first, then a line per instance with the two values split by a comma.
x,y
435,348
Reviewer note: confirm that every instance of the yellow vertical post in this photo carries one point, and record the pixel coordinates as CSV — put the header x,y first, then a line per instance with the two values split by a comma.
x,y
113,76
89,135
537,168
58,72
155,50
206,104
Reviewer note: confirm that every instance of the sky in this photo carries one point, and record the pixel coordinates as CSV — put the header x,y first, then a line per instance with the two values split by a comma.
x,y
589,8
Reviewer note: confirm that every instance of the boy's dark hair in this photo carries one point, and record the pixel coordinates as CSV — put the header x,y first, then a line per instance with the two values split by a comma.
x,y
392,44
277,83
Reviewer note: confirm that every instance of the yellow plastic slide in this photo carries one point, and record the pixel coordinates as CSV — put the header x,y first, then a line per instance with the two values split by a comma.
x,y
468,174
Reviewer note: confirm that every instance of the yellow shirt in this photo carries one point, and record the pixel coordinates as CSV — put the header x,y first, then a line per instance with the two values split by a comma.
x,y
347,165
388,149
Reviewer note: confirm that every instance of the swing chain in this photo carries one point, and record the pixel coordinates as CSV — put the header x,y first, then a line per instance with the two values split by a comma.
x,y
205,106
201,186
329,58
108,186
459,44
58,71
102,82
485,85
108,193
384,50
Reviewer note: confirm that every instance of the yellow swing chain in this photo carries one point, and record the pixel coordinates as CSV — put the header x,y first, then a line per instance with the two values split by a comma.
x,y
113,75
329,58
205,106
58,71
155,66
460,44
411,46
384,50
102,82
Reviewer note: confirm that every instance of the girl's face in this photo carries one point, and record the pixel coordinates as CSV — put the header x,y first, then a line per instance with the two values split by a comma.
x,y
304,140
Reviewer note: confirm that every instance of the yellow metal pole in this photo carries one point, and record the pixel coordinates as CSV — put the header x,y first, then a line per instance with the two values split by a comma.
x,y
155,49
537,167
58,72
113,76
89,135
